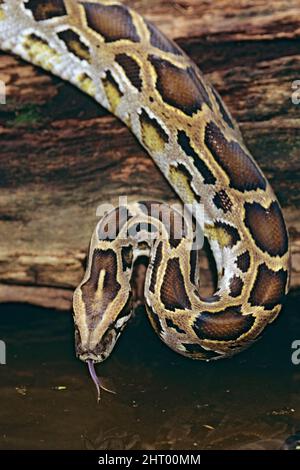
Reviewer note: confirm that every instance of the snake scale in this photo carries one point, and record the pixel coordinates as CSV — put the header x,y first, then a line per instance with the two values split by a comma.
x,y
123,61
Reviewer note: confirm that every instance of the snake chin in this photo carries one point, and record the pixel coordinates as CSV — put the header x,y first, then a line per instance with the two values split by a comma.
x,y
90,356
92,350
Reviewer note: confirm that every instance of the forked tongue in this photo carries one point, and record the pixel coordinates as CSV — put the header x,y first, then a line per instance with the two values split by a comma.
x,y
97,380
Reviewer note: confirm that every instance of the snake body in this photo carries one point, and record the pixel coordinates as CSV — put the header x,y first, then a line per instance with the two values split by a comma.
x,y
127,65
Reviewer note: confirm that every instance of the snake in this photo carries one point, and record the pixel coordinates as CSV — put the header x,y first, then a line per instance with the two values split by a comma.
x,y
132,69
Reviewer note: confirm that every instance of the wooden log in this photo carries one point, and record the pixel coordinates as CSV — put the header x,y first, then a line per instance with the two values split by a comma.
x,y
62,155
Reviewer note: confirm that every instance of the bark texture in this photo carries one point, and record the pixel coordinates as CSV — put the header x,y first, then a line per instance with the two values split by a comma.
x,y
62,155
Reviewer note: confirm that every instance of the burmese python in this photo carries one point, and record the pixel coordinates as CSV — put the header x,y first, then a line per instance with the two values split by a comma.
x,y
128,66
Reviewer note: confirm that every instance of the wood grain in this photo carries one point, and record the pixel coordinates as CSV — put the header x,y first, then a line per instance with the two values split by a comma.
x,y
62,155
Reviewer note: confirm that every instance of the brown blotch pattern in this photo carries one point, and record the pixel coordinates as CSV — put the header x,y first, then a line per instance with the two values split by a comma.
x,y
223,201
45,9
185,143
156,264
173,293
269,287
267,228
226,325
243,173
112,223
243,261
180,88
235,286
131,69
112,22
74,44
97,302
159,40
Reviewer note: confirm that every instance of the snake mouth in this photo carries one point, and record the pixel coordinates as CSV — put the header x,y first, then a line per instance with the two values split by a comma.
x,y
97,380
89,356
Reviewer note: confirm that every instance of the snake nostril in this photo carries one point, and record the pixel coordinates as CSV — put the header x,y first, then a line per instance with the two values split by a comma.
x,y
86,356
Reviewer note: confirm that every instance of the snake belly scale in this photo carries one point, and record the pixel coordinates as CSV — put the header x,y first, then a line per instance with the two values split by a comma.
x,y
127,65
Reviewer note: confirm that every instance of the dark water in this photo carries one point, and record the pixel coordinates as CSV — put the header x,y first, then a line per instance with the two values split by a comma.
x,y
164,401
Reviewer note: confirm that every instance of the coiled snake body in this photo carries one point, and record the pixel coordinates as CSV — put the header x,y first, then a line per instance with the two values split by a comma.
x,y
129,67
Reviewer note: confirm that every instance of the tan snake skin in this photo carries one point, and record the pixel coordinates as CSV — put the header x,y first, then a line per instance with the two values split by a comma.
x,y
129,67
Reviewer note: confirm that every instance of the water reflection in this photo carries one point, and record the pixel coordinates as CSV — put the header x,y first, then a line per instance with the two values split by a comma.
x,y
164,401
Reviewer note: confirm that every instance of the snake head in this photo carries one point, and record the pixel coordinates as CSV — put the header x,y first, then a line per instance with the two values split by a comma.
x,y
95,333
102,306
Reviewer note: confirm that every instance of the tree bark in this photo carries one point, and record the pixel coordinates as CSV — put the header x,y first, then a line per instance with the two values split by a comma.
x,y
62,155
